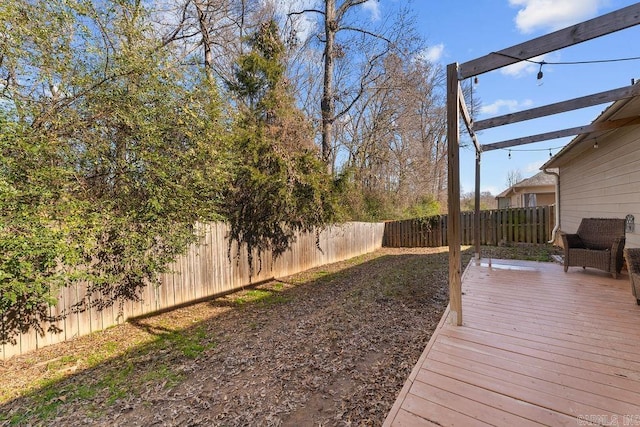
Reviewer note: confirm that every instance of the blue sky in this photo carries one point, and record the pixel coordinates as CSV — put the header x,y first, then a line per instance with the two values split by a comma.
x,y
458,31
462,30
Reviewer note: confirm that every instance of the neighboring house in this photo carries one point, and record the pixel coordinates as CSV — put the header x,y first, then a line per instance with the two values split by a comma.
x,y
600,171
539,190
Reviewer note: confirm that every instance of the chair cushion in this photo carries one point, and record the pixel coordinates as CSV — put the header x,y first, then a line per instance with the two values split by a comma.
x,y
597,243
575,241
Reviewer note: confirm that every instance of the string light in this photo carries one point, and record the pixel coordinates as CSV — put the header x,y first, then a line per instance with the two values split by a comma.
x,y
540,71
531,150
509,150
595,61
541,63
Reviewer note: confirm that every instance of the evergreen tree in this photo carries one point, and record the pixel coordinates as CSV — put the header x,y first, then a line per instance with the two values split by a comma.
x,y
280,185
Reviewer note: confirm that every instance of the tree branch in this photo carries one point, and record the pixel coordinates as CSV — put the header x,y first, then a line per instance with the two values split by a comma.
x,y
346,6
174,36
369,33
67,101
302,12
362,85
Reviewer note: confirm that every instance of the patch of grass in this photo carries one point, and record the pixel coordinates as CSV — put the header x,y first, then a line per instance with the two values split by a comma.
x,y
357,260
114,379
261,296
52,394
321,273
61,363
53,391
110,347
315,275
162,374
18,419
106,351
85,392
253,295
189,343
113,385
117,382
47,402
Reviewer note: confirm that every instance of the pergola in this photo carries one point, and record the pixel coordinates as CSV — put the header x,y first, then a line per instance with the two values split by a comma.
x,y
456,107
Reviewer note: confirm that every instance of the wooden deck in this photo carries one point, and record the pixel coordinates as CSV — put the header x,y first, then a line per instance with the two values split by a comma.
x,y
538,346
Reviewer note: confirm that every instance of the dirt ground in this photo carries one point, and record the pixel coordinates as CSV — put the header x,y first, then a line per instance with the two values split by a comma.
x,y
328,347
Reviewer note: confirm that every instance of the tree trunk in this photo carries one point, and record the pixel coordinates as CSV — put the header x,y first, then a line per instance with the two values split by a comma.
x,y
206,40
327,104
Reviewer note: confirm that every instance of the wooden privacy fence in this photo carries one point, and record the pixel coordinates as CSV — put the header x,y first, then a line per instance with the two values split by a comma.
x,y
513,225
206,271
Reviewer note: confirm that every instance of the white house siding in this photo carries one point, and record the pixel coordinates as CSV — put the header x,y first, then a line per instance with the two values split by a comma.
x,y
603,182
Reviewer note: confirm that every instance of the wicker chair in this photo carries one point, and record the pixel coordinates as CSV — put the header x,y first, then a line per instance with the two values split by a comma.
x,y
633,265
599,243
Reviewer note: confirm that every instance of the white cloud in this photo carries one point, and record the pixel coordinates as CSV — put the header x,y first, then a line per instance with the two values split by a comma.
x,y
551,15
373,7
519,69
508,105
433,53
523,68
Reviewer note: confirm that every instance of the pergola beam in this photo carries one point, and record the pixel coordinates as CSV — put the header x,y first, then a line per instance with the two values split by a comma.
x,y
468,121
594,127
587,30
559,107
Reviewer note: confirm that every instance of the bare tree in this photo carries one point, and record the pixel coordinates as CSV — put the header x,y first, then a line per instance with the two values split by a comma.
x,y
351,61
514,176
395,135
208,33
487,201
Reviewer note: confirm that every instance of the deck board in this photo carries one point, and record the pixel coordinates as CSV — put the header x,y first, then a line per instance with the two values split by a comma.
x,y
537,347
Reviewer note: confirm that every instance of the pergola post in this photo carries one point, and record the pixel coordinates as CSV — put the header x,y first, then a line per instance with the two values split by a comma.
x,y
476,219
453,184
